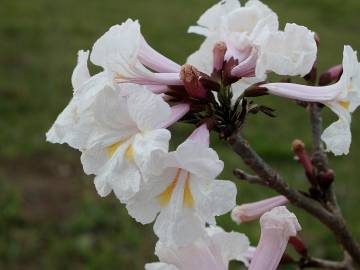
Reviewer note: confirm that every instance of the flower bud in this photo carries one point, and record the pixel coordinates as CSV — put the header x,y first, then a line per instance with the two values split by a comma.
x,y
219,54
190,76
251,211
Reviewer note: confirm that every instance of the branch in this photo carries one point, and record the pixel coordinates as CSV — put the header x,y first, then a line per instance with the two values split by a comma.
x,y
271,178
320,160
252,179
325,264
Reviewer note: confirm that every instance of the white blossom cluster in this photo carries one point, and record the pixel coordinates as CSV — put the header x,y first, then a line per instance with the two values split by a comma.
x,y
119,118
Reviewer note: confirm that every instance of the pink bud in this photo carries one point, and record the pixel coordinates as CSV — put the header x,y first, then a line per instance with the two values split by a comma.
x,y
277,226
251,211
246,68
201,135
219,54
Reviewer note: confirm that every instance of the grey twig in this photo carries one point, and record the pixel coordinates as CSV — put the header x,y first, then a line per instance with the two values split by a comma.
x,y
253,179
326,264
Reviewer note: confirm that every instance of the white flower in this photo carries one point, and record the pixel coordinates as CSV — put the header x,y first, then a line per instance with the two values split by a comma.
x,y
290,52
182,190
342,98
214,252
124,54
252,38
237,26
126,130
74,124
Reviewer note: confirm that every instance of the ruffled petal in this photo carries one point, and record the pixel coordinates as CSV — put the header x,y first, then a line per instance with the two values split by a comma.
x,y
147,142
199,159
213,198
121,43
292,52
337,137
147,110
231,246
81,72
212,17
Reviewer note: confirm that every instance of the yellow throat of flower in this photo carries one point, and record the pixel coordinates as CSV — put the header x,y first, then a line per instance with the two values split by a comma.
x,y
165,197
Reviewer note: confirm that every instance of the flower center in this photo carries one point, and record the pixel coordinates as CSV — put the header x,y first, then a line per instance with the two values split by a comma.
x,y
345,104
129,152
188,199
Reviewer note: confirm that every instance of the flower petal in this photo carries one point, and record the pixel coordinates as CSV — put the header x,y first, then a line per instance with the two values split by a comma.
x,y
147,110
337,137
212,17
292,52
160,266
232,245
199,159
147,142
81,72
120,43
213,199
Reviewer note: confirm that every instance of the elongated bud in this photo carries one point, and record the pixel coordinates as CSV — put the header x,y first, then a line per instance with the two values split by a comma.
x,y
298,245
190,76
299,149
201,135
251,211
219,55
277,226
331,75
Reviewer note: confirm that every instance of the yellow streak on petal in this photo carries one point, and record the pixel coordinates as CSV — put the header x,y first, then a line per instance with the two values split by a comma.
x,y
112,148
344,104
188,198
129,154
165,197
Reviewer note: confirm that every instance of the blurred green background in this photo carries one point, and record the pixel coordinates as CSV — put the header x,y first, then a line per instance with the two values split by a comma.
x,y
50,215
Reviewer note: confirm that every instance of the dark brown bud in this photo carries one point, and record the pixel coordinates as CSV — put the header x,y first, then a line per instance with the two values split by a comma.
x,y
191,79
327,178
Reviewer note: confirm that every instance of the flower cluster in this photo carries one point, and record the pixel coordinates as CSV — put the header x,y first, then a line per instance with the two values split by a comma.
x,y
119,119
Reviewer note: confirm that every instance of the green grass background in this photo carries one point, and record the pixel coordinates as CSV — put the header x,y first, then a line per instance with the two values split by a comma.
x,y
50,215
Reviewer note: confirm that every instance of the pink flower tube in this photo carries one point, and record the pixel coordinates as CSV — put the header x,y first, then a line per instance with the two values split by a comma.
x,y
177,112
251,211
304,92
155,60
277,226
201,135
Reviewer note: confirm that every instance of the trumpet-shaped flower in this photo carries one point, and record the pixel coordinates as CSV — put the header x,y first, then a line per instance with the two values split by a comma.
x,y
252,38
342,98
126,131
277,226
212,252
181,193
126,56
